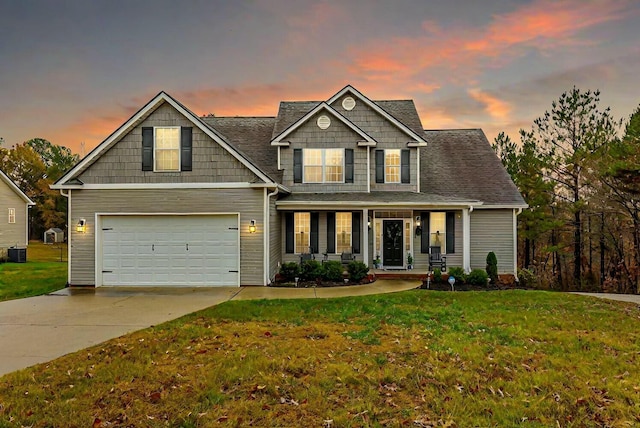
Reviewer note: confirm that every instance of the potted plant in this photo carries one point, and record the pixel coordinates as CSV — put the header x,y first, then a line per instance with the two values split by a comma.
x,y
409,261
376,262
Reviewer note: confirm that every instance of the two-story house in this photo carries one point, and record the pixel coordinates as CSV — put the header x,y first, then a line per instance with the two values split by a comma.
x,y
174,199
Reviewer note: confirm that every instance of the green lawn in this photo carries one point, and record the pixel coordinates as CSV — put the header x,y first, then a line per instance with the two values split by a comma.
x,y
418,358
42,273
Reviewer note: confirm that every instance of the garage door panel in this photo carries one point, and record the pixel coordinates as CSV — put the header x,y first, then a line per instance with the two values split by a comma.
x,y
170,250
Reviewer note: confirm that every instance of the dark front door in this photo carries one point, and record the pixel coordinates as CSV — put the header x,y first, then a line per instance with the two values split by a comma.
x,y
392,243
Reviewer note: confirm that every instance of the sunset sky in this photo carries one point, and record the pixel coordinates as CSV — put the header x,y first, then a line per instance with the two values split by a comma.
x,y
73,71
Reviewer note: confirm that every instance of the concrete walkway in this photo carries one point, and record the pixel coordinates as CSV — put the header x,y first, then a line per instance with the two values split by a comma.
x,y
39,329
633,298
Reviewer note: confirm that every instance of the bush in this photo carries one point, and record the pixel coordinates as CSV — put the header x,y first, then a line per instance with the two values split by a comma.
x,y
492,267
289,271
528,279
437,276
458,274
478,277
310,270
357,270
332,271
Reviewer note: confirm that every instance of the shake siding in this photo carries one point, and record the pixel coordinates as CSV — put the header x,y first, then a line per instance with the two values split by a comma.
x,y
123,162
86,203
12,233
492,230
338,135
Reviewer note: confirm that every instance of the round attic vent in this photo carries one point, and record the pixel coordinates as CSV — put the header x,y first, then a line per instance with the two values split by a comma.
x,y
348,103
324,122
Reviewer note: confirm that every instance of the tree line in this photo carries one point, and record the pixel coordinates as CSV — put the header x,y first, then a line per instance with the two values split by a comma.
x,y
578,168
33,166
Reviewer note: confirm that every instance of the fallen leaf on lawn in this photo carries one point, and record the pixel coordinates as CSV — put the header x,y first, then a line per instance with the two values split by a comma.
x,y
97,423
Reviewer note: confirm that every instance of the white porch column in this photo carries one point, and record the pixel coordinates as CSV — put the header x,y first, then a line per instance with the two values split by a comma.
x,y
365,236
466,239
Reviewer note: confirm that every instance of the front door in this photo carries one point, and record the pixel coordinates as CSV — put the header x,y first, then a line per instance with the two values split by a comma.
x,y
392,243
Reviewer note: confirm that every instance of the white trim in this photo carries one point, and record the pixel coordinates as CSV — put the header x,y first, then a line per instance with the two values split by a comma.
x,y
134,121
365,235
26,232
416,144
515,243
322,106
279,162
417,168
370,204
323,165
15,188
399,166
68,196
497,207
466,239
98,236
378,109
368,170
267,236
142,186
11,212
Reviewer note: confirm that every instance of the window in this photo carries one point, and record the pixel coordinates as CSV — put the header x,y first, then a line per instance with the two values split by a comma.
x,y
167,149
302,230
392,166
343,232
323,165
12,215
437,231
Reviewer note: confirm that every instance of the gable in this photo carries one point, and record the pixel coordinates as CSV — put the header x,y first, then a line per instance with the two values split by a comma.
x,y
12,190
121,163
337,134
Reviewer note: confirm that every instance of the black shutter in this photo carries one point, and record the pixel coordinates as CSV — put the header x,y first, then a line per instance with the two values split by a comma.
x,y
185,148
297,165
315,227
379,166
424,238
405,172
348,165
355,231
331,232
451,234
147,149
289,238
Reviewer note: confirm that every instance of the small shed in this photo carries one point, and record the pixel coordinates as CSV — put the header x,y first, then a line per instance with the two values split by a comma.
x,y
53,235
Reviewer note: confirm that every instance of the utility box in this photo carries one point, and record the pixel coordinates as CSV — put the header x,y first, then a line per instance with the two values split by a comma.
x,y
17,255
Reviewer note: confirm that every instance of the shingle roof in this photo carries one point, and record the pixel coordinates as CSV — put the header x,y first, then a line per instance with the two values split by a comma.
x,y
290,112
404,111
461,163
378,197
250,136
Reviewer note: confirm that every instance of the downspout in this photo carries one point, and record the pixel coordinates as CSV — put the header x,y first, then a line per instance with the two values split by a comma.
x,y
68,196
267,256
516,213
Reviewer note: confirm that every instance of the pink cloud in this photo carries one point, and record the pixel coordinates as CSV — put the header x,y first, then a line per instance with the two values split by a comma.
x,y
495,107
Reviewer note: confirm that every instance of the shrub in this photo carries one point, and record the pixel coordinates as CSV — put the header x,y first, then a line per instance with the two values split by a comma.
x,y
332,271
478,277
458,274
357,270
289,271
437,276
311,270
492,267
528,279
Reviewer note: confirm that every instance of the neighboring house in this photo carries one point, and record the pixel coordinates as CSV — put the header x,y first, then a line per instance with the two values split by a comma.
x,y
14,214
171,198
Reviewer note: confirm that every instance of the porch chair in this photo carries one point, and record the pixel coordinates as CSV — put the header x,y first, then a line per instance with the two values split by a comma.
x,y
436,259
307,256
347,257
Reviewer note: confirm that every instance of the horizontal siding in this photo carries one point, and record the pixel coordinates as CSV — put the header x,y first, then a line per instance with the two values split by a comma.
x,y
492,230
122,163
275,243
12,234
453,259
86,203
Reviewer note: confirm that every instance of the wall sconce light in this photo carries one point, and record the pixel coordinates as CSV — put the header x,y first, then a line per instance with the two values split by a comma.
x,y
369,222
81,226
418,226
252,226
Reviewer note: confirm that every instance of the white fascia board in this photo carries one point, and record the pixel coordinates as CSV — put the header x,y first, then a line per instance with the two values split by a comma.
x,y
367,144
377,108
369,204
498,207
155,102
143,186
15,188
322,106
416,144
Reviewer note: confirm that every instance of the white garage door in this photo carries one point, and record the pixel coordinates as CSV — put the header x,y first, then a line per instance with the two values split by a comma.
x,y
170,250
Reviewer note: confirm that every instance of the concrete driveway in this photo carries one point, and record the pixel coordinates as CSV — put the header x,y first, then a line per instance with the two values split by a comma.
x,y
40,329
